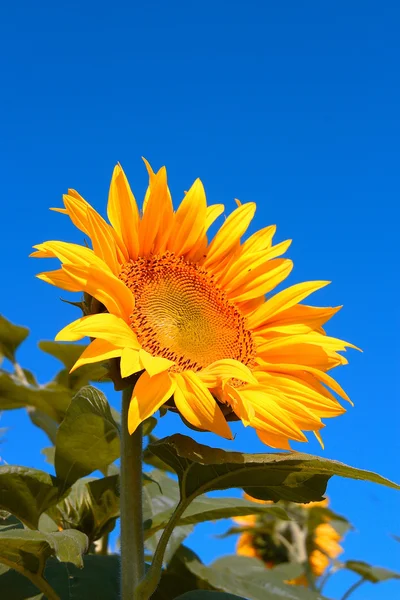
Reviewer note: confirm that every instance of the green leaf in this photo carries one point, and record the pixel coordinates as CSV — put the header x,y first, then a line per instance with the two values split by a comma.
x,y
151,459
98,580
177,579
148,425
88,437
244,576
44,422
65,352
92,506
245,565
207,595
11,336
372,574
68,354
297,477
48,454
179,534
8,521
162,496
53,399
212,509
27,493
27,551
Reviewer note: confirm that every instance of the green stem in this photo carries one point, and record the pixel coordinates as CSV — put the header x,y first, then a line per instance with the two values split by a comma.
x,y
152,578
324,580
37,580
353,588
44,587
132,545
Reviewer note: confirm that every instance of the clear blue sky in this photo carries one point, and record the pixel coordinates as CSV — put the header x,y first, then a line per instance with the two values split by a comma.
x,y
293,105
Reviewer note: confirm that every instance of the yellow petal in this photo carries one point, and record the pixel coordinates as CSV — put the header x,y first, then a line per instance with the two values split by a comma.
x,y
238,271
130,362
262,280
90,222
189,220
104,244
156,208
241,407
60,279
230,232
104,326
273,440
105,287
268,414
149,394
195,402
223,370
298,319
97,351
154,364
69,254
284,300
245,545
315,338
310,355
320,375
63,211
199,250
212,214
319,438
304,390
151,175
164,203
260,240
123,212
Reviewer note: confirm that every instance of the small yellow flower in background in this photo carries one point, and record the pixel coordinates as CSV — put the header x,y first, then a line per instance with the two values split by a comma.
x,y
192,315
326,541
276,545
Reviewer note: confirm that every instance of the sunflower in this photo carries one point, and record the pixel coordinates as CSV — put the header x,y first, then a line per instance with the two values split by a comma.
x,y
191,315
271,542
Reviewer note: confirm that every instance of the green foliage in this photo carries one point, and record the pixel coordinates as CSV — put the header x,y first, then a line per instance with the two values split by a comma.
x,y
44,422
296,477
161,497
372,574
91,506
11,336
98,579
27,493
16,392
27,551
212,509
88,437
241,575
68,354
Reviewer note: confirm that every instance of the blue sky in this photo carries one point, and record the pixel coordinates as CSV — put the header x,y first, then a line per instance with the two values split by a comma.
x,y
292,105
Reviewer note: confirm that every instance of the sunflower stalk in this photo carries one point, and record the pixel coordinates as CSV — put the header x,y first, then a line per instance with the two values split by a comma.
x,y
132,544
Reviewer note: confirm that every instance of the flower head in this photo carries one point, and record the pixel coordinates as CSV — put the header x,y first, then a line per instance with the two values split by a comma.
x,y
191,316
275,542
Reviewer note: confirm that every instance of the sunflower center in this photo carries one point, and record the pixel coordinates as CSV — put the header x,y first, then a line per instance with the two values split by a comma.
x,y
182,315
